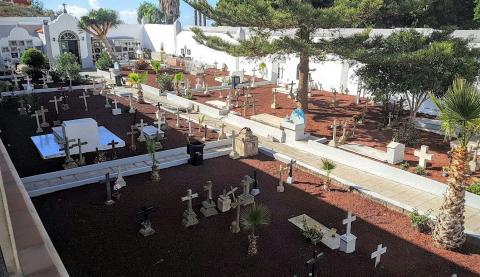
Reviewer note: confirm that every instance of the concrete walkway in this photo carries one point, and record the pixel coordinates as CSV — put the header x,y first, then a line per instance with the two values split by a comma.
x,y
390,193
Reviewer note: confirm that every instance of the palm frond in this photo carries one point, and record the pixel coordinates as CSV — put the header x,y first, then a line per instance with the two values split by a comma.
x,y
255,215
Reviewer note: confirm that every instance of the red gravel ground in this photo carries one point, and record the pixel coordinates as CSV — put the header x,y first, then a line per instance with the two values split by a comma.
x,y
321,115
95,240
17,129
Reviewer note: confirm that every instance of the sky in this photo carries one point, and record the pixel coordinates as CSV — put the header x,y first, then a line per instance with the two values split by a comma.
x,y
127,9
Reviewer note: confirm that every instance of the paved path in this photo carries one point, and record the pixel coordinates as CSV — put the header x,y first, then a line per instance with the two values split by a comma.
x,y
389,192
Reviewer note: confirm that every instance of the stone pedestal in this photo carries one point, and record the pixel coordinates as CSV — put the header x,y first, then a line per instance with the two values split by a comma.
x,y
224,203
289,180
147,229
347,243
189,219
280,188
116,111
294,131
246,144
208,209
395,153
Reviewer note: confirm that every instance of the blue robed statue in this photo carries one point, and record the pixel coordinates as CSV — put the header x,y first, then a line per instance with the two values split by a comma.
x,y
298,116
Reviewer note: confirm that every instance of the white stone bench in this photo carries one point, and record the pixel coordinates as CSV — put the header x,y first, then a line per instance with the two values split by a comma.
x,y
329,238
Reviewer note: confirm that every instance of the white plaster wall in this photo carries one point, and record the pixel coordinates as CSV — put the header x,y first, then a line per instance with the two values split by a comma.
x,y
68,22
156,34
19,33
127,30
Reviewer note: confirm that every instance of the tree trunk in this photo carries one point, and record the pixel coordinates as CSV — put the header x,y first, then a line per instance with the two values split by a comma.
x,y
140,99
303,68
108,48
448,232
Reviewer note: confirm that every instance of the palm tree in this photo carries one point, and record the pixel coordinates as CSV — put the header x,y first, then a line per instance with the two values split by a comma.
x,y
328,166
137,79
156,66
97,23
459,114
250,218
171,9
150,143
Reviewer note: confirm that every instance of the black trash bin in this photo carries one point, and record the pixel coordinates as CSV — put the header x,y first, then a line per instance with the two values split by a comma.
x,y
195,149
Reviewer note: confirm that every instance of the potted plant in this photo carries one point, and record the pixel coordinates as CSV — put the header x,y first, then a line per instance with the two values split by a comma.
x,y
150,143
250,218
328,166
137,79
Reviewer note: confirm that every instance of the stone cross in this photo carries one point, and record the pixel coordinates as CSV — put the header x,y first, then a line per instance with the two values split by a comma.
x,y
29,85
235,227
280,187
44,81
114,154
81,158
233,154
390,116
334,132
423,156
107,103
348,221
120,182
189,127
177,124
84,96
44,122
208,189
378,253
189,198
36,115
290,94
132,110
222,134
141,137
205,129
66,148
109,190
115,103
56,100
132,134
311,263
274,104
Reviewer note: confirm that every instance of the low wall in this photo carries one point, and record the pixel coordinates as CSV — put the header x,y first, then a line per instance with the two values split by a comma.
x,y
202,108
385,171
256,127
105,74
43,90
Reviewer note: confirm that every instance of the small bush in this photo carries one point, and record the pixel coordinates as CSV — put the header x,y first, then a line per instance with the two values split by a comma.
x,y
5,86
104,62
421,222
165,82
405,166
141,64
474,188
311,234
420,171
33,58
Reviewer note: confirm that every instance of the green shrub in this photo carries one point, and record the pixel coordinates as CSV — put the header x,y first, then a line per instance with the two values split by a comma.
x,y
474,188
33,58
104,62
405,165
156,66
420,170
421,222
5,86
165,82
311,234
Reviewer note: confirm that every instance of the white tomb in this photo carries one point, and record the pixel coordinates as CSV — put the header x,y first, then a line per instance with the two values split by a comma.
x,y
85,129
239,74
294,131
394,155
330,239
395,152
217,104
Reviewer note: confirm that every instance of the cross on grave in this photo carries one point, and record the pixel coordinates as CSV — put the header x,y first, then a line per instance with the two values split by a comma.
x,y
222,134
44,81
423,156
233,154
158,106
107,103
390,116
132,110
290,94
39,127
280,187
69,163
56,100
189,127
15,80
311,263
141,137
84,96
22,110
81,158
114,153
29,85
208,206
235,226
378,253
290,172
333,142
189,216
274,104
120,182
142,217
44,123
65,106
348,221
177,113
107,180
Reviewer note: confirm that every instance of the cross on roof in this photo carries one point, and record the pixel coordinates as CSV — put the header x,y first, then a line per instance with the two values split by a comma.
x,y
378,253
64,7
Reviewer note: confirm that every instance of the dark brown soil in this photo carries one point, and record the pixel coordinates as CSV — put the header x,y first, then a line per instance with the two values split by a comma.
x,y
95,240
17,129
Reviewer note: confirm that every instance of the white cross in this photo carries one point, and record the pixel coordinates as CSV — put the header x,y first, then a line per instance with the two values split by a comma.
x,y
43,111
141,137
177,124
107,103
56,100
36,115
189,198
377,254
115,103
84,96
390,116
334,126
423,156
349,221
130,104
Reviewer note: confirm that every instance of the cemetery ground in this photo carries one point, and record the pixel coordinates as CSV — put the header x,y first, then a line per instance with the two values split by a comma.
x,y
93,239
17,129
321,115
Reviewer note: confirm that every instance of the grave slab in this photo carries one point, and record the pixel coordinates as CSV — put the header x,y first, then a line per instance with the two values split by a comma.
x,y
268,119
332,241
